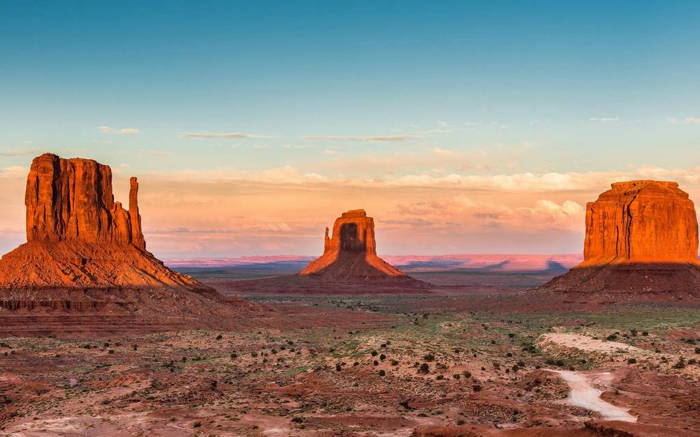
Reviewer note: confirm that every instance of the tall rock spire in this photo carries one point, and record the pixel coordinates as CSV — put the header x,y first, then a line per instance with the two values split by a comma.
x,y
134,215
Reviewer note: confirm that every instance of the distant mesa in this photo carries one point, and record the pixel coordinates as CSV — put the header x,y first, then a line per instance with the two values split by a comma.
x,y
351,253
78,236
640,236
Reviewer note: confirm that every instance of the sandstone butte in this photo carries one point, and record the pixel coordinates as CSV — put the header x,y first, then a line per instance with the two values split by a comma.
x,y
351,252
78,236
640,235
641,222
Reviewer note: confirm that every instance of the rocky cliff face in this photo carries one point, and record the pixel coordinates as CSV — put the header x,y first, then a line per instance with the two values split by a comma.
x,y
641,237
78,236
640,222
72,200
351,252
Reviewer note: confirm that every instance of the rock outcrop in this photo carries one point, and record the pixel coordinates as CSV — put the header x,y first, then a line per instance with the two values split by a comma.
x,y
640,236
78,236
640,222
351,252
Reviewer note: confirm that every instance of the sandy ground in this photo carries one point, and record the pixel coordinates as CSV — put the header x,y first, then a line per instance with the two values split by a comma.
x,y
583,394
588,344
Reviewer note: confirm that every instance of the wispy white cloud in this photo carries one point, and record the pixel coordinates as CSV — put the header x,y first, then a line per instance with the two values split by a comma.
x,y
18,152
359,138
221,135
605,119
123,131
686,120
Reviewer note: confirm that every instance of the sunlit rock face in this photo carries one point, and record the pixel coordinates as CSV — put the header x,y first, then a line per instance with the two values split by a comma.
x,y
351,252
78,236
71,199
641,222
641,237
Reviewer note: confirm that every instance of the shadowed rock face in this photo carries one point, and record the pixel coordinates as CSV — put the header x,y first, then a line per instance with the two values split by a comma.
x,y
641,221
641,236
79,237
351,253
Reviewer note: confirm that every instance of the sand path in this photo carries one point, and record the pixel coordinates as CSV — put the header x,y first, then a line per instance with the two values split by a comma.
x,y
584,394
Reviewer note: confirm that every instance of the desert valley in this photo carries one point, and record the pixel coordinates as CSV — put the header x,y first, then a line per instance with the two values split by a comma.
x,y
366,218
101,338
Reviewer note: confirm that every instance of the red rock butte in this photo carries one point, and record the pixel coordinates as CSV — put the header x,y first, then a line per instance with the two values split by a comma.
x,y
351,252
641,236
78,236
639,222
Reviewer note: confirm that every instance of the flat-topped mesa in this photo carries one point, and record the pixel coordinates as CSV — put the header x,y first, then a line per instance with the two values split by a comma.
x,y
641,221
351,252
641,238
72,200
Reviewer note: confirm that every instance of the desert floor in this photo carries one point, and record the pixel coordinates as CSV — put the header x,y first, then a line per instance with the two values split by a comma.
x,y
485,357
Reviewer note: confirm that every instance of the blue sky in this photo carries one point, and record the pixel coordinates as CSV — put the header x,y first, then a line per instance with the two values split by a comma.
x,y
372,90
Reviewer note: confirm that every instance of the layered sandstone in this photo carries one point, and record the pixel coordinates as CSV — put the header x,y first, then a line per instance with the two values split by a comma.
x,y
78,236
641,236
351,251
641,222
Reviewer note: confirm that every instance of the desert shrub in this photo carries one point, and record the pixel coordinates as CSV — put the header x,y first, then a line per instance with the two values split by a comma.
x,y
338,367
424,368
297,419
440,377
219,337
631,361
697,350
611,337
467,374
456,376
375,362
382,357
135,347
429,357
394,363
382,373
680,364
476,388
645,333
